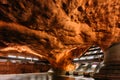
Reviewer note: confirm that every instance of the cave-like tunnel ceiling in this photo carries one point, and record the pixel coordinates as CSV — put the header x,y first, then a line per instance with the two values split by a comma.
x,y
58,30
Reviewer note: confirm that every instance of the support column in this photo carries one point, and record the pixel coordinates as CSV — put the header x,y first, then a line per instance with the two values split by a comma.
x,y
111,70
61,69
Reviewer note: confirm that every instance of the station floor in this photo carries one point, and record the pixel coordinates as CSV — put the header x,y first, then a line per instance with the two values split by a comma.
x,y
41,76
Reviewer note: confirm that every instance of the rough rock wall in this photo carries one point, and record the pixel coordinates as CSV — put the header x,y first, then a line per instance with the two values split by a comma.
x,y
59,30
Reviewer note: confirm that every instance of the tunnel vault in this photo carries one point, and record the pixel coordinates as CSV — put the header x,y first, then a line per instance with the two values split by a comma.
x,y
59,30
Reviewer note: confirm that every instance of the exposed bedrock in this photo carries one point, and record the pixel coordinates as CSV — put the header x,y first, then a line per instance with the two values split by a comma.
x,y
59,30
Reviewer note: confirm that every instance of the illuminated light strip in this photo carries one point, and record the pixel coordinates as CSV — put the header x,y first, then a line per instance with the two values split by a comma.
x,y
82,58
36,59
94,48
29,58
101,51
11,56
76,59
21,57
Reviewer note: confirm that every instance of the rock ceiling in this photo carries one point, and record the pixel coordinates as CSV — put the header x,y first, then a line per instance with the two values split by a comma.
x,y
58,30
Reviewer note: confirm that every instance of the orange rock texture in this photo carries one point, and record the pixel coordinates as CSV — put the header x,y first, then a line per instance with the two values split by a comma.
x,y
59,30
